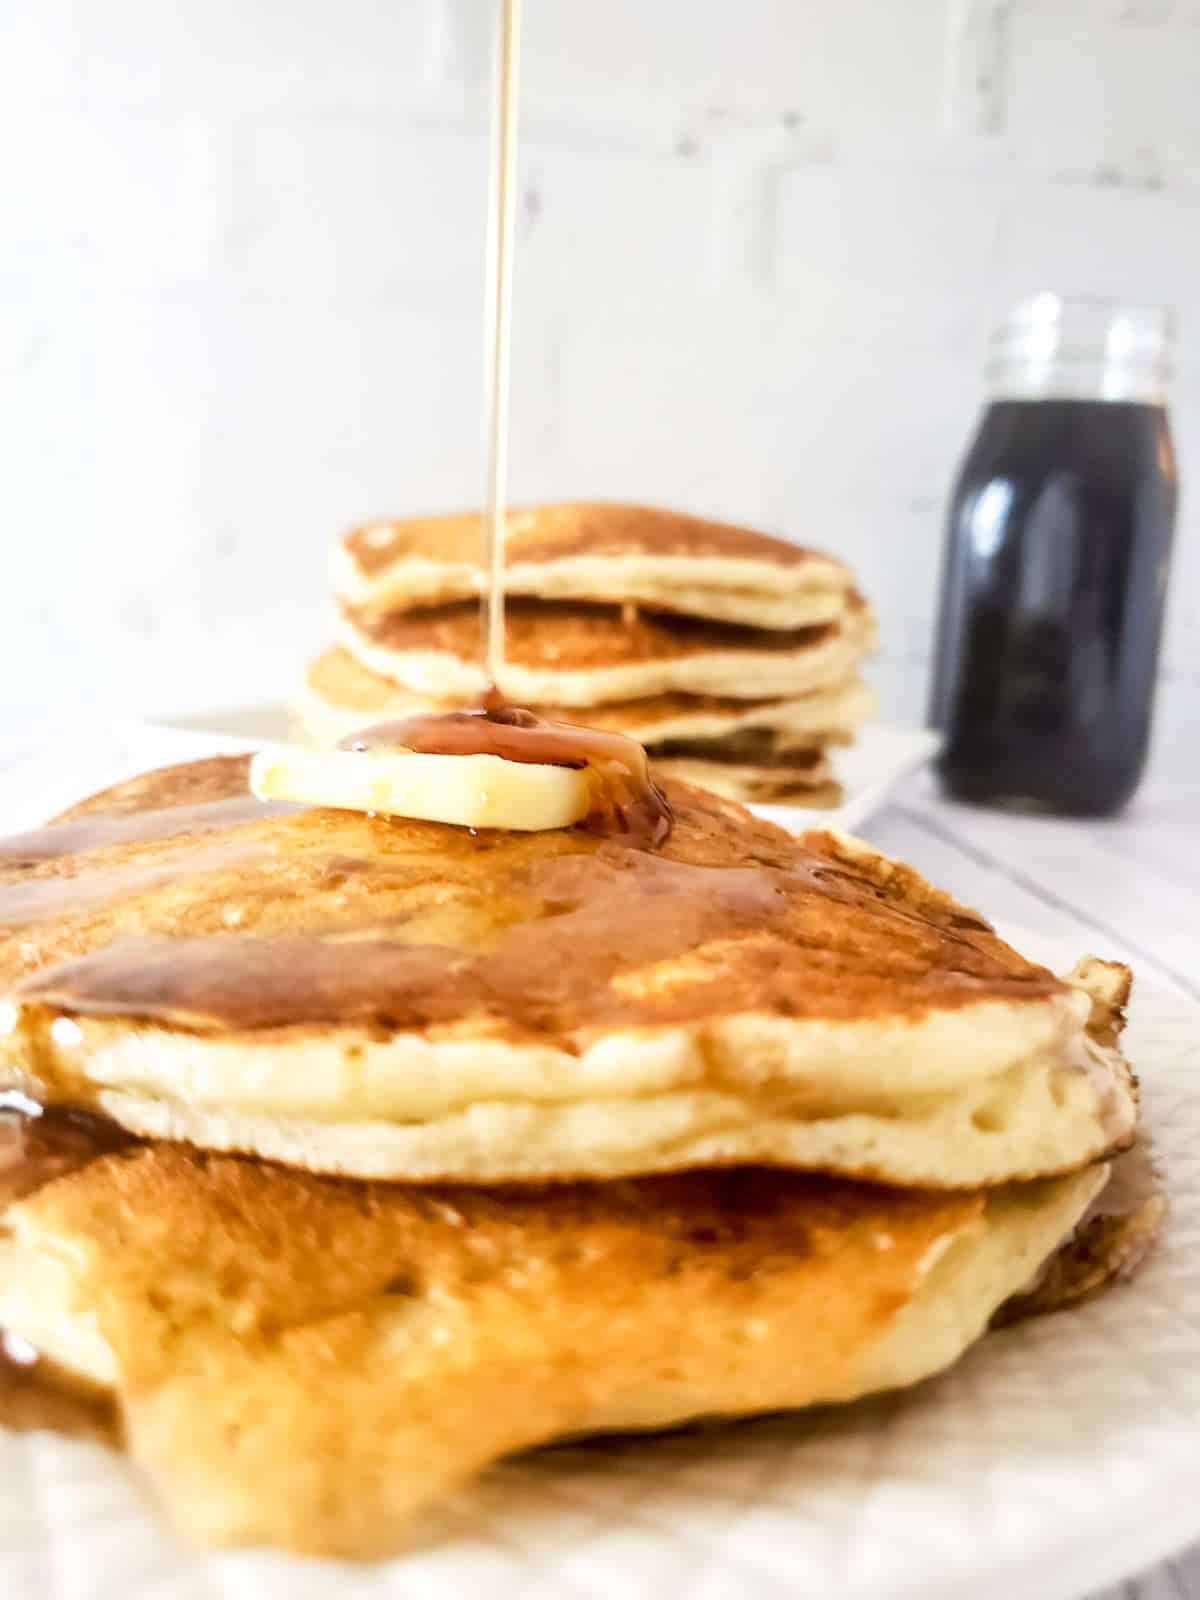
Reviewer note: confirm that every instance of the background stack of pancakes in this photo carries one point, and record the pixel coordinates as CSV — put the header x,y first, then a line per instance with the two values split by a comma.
x,y
732,656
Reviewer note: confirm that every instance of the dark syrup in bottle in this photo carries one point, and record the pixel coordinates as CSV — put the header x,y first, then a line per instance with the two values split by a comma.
x,y
1057,552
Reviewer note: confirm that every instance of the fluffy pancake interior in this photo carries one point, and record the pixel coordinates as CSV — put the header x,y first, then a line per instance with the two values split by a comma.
x,y
401,999
308,1362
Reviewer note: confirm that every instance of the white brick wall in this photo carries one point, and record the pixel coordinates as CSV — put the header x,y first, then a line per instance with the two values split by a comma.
x,y
240,298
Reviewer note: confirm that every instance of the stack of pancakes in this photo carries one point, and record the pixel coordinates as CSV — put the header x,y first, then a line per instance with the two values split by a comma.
x,y
733,657
423,1146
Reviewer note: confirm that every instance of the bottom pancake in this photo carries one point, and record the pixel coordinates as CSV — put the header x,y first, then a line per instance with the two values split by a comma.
x,y
308,1362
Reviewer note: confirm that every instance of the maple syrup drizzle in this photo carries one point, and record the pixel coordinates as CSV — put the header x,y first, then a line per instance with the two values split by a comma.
x,y
624,798
31,895
29,900
104,830
498,296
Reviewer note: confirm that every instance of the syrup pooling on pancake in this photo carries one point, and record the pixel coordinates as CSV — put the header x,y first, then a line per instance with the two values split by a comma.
x,y
135,827
48,872
49,898
552,932
624,799
106,857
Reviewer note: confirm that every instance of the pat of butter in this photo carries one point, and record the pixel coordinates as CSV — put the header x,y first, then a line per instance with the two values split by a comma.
x,y
476,791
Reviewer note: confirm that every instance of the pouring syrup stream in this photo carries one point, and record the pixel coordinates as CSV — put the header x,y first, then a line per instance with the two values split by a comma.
x,y
498,292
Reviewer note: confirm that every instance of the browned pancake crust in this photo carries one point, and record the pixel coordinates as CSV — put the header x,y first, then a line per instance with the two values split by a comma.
x,y
298,916
548,533
306,1361
573,635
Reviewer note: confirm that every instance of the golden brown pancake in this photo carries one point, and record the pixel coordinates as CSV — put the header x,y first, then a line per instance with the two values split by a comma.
x,y
339,695
308,1363
592,551
387,998
573,654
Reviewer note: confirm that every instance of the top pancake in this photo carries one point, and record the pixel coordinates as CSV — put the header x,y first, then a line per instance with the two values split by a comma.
x,y
397,998
596,551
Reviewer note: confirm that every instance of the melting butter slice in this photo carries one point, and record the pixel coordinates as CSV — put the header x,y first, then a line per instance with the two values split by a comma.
x,y
471,791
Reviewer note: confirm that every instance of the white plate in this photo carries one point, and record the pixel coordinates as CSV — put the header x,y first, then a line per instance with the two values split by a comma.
x,y
867,770
1057,1457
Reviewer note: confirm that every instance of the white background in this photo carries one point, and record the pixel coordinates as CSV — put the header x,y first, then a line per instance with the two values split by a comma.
x,y
761,242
